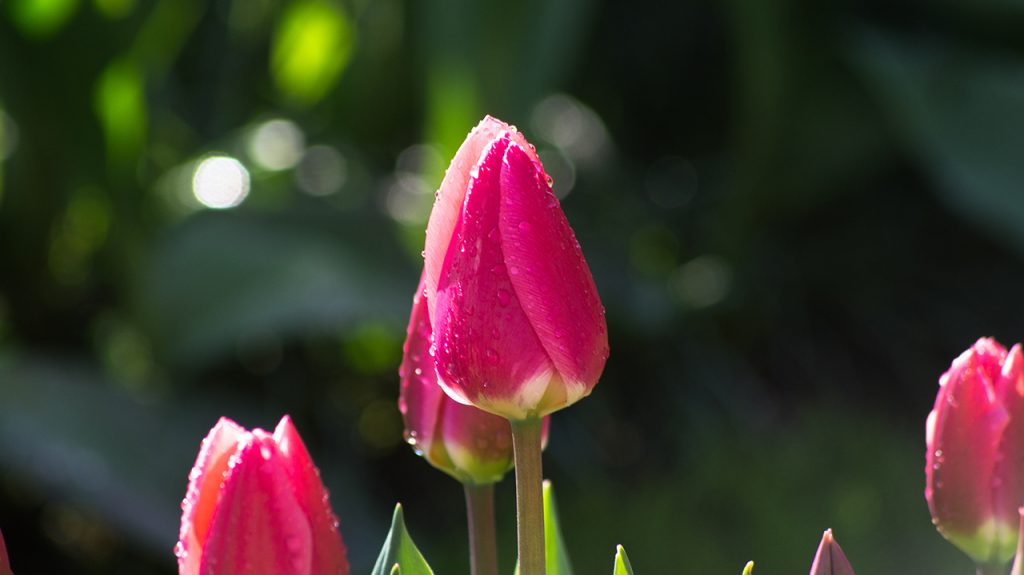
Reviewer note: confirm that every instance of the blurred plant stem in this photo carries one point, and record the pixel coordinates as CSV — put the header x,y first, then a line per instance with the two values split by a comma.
x,y
526,445
991,569
483,545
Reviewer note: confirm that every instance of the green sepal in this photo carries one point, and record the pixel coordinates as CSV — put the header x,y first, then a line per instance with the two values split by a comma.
x,y
556,559
749,568
399,556
622,566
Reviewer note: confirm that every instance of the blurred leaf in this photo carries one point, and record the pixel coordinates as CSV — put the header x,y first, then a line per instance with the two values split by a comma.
x,y
399,554
312,46
41,18
115,9
556,557
121,107
961,112
622,566
749,569
223,276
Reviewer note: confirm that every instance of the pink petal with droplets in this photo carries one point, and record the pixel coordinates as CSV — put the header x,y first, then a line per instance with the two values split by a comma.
x,y
451,197
204,491
259,527
329,554
1008,481
963,433
486,350
419,398
551,279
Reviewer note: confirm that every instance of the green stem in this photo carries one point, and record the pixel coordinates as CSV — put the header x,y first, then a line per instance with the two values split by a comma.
x,y
526,445
991,569
483,544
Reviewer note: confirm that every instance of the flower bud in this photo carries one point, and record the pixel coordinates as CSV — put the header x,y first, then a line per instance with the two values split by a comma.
x,y
471,445
5,565
830,559
518,325
975,460
255,506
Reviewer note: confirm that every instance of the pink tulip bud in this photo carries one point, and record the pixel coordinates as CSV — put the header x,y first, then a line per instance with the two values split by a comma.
x,y
975,460
5,565
518,325
255,506
471,445
830,559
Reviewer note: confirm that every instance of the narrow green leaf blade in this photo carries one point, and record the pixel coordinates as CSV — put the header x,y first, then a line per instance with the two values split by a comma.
x,y
622,566
399,556
749,569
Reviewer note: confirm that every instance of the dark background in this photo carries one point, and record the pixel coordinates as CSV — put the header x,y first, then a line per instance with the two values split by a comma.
x,y
797,213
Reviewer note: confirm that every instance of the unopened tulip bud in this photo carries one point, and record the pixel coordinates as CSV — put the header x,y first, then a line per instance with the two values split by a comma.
x,y
518,326
256,506
975,459
830,559
5,565
471,445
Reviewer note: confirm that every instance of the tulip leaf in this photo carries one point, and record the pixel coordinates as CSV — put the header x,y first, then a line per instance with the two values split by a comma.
x,y
399,556
749,569
622,566
556,558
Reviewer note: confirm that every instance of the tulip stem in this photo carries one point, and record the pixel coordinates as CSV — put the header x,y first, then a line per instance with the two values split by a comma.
x,y
526,445
483,543
991,569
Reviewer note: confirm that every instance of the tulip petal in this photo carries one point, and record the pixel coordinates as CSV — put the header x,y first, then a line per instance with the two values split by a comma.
x,y
1008,481
486,351
259,527
478,443
830,559
963,436
551,279
419,398
202,495
451,197
5,565
329,554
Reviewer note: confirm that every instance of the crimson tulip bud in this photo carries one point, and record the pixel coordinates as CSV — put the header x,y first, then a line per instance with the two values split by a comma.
x,y
471,445
830,559
975,460
256,506
5,565
518,325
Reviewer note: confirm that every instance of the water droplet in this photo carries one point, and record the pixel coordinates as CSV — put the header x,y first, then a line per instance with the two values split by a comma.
x,y
492,356
524,226
504,297
494,235
549,180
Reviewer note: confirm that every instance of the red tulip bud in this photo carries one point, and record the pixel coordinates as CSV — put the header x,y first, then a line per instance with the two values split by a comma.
x,y
518,325
5,565
471,445
255,506
975,459
830,559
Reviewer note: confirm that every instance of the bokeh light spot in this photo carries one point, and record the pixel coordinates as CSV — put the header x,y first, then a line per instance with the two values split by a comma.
x,y
276,145
312,46
220,182
322,172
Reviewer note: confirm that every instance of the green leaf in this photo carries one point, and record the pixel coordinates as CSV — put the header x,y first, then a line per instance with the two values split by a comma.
x,y
556,559
749,568
399,555
622,566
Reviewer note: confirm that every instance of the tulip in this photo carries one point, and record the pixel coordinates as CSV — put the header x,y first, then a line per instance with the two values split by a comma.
x,y
518,326
830,559
256,506
473,446
5,565
975,460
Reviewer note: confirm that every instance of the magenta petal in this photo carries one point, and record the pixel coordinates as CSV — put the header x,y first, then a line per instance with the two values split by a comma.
x,y
486,350
963,434
1008,483
259,527
5,565
450,198
419,398
329,554
551,279
830,559
204,491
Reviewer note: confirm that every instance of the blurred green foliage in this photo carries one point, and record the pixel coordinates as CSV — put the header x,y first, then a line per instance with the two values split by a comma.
x,y
797,213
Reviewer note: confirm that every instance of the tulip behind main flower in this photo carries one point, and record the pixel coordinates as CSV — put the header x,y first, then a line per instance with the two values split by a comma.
x,y
975,458
518,325
256,506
